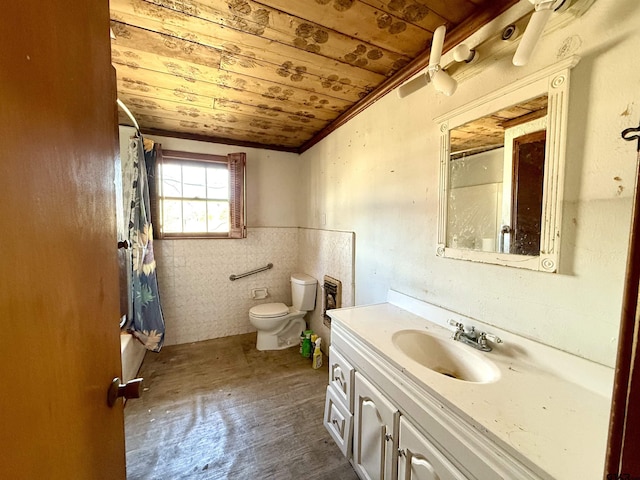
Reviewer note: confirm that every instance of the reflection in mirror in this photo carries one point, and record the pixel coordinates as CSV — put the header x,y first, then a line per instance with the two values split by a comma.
x,y
502,173
496,178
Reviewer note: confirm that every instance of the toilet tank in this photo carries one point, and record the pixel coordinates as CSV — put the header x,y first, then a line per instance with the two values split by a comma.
x,y
303,291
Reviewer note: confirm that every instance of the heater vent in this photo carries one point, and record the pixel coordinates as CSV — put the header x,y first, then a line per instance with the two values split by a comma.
x,y
331,297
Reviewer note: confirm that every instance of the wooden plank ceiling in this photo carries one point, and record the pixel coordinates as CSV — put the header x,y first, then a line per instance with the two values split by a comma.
x,y
487,133
278,74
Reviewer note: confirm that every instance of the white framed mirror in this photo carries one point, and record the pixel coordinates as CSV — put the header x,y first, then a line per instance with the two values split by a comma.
x,y
502,173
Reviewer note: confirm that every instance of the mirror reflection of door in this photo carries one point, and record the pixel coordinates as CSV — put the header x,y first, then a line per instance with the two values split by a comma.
x,y
527,187
495,180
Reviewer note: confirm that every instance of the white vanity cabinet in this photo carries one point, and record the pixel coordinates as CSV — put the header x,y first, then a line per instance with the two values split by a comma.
x,y
391,428
381,443
375,430
396,418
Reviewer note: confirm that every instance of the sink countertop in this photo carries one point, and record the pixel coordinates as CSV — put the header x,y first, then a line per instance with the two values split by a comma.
x,y
533,408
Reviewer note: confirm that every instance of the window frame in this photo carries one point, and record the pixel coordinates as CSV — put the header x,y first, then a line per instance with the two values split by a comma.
x,y
236,165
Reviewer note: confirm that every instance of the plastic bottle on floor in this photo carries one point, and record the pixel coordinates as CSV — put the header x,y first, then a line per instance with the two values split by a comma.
x,y
317,354
306,344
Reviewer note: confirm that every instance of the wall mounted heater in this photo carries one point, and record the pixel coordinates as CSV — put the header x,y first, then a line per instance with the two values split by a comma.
x,y
331,297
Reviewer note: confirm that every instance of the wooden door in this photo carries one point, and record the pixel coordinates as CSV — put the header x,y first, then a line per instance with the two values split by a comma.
x,y
420,460
374,456
59,301
528,185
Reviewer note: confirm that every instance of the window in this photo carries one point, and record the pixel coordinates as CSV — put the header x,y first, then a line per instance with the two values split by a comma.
x,y
200,196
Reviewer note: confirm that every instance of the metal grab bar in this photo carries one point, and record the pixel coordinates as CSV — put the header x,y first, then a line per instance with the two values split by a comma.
x,y
262,269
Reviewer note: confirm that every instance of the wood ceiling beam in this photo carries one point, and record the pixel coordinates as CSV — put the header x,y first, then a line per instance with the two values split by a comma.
x,y
276,97
445,11
139,56
229,120
359,20
257,30
200,126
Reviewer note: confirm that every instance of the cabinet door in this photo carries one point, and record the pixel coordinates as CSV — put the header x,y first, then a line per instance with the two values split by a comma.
x,y
374,447
419,459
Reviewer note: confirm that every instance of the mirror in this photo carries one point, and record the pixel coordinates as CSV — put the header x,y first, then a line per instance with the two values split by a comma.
x,y
496,172
501,173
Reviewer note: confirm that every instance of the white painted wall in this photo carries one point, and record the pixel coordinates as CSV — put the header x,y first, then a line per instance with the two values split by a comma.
x,y
378,176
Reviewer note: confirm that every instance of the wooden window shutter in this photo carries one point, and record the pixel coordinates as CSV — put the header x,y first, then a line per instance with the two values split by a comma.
x,y
237,165
154,199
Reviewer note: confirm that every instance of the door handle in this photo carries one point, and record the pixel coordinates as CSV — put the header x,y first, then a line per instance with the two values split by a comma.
x,y
124,244
131,389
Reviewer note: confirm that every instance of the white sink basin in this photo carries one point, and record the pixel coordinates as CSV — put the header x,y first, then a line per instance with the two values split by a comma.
x,y
446,356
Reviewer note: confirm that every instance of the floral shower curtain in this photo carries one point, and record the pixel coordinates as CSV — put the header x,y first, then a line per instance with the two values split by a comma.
x,y
146,322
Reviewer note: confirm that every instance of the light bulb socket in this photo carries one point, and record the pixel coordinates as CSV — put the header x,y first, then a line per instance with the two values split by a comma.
x,y
462,53
443,82
510,33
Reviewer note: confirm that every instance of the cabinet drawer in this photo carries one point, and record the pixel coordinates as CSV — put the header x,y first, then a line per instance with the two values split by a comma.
x,y
338,421
341,378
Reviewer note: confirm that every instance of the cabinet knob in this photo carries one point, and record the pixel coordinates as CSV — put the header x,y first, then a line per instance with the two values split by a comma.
x,y
401,452
388,437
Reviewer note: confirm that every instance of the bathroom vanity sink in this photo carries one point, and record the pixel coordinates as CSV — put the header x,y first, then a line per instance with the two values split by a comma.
x,y
403,396
445,357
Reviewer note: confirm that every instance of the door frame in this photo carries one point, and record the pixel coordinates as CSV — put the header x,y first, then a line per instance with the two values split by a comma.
x,y
624,425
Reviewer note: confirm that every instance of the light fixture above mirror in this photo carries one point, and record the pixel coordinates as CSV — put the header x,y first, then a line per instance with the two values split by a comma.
x,y
436,74
543,9
487,212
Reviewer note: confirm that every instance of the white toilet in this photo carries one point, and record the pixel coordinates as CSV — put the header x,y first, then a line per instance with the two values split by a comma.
x,y
279,326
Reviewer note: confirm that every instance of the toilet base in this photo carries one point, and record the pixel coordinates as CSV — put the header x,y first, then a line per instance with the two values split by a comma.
x,y
288,337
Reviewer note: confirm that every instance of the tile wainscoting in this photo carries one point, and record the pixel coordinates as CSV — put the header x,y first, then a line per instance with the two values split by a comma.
x,y
200,302
327,252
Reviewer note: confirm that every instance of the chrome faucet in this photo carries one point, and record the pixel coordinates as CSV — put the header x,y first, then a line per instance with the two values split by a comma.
x,y
473,338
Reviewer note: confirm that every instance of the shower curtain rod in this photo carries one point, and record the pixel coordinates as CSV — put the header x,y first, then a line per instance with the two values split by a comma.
x,y
129,114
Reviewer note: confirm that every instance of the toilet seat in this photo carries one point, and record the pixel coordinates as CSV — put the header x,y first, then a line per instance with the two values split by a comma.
x,y
269,310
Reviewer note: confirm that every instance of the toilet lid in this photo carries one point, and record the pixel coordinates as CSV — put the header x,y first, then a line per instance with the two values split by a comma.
x,y
269,310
